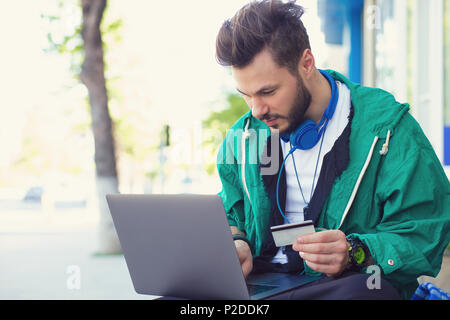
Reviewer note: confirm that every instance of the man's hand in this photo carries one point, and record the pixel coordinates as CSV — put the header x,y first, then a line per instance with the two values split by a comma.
x,y
245,256
324,251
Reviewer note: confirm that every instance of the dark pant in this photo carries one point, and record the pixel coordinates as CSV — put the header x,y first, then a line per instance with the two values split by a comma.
x,y
349,286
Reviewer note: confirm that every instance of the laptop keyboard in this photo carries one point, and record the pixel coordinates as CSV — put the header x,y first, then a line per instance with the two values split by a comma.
x,y
254,289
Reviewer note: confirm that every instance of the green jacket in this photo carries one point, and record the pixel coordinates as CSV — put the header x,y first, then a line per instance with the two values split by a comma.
x,y
400,210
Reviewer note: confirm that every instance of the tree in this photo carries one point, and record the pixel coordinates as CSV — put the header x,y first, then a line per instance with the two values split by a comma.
x,y
93,77
86,49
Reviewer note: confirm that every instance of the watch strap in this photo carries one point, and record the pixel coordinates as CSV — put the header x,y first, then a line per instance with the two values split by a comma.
x,y
241,237
358,253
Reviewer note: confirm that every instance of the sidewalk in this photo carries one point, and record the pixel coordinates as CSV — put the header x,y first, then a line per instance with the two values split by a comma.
x,y
41,257
43,266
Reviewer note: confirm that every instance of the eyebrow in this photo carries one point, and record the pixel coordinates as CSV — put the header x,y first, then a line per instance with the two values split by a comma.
x,y
261,91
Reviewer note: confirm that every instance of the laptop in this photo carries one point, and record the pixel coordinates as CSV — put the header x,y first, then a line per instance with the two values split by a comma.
x,y
181,246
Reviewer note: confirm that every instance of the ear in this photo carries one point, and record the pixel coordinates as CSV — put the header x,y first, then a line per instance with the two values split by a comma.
x,y
306,64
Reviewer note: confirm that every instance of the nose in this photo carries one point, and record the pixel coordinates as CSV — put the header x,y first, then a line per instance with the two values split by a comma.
x,y
259,108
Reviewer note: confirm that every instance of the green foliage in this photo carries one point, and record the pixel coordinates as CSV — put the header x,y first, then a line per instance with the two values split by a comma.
x,y
65,37
221,122
132,138
224,119
29,157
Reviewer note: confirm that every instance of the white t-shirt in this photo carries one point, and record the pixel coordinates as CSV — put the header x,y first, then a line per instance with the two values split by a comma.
x,y
305,162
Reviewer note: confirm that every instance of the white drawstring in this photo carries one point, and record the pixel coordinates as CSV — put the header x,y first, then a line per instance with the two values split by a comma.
x,y
384,150
245,136
358,182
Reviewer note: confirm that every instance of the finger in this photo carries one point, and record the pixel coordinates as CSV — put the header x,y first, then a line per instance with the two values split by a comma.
x,y
335,259
246,265
246,268
321,248
322,236
243,257
323,259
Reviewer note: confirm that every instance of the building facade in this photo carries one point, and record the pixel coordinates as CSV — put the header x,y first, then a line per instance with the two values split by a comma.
x,y
402,46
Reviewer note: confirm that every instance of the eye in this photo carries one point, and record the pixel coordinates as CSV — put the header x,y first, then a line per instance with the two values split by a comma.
x,y
267,93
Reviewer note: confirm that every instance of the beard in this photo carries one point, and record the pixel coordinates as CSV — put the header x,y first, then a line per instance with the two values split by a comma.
x,y
298,109
296,114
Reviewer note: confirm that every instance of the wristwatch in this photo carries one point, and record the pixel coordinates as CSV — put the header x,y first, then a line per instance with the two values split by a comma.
x,y
358,254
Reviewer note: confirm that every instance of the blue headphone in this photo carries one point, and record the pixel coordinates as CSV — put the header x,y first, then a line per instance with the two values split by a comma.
x,y
309,133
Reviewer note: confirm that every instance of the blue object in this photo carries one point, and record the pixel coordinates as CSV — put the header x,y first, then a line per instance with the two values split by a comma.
x,y
447,145
428,291
278,184
34,194
290,153
336,15
332,13
308,134
355,9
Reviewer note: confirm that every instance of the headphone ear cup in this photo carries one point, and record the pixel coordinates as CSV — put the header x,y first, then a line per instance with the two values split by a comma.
x,y
306,136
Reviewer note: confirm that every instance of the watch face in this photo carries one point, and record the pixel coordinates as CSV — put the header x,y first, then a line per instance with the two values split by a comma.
x,y
359,255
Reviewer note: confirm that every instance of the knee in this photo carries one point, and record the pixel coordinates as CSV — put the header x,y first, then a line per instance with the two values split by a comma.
x,y
366,287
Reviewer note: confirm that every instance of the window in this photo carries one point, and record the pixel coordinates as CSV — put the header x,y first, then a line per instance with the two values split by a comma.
x,y
446,82
391,47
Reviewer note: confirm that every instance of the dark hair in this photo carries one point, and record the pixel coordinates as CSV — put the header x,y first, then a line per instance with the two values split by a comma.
x,y
260,24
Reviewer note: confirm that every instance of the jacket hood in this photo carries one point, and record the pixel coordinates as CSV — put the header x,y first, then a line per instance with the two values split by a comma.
x,y
381,111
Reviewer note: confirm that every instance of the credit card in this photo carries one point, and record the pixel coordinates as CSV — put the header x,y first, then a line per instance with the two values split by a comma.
x,y
287,234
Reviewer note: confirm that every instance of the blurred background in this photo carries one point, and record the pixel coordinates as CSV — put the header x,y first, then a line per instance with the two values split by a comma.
x,y
113,96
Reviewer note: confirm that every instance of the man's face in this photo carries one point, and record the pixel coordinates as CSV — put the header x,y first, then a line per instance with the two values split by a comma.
x,y
274,95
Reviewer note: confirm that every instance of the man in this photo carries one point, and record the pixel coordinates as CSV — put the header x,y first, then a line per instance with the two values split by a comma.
x,y
349,158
